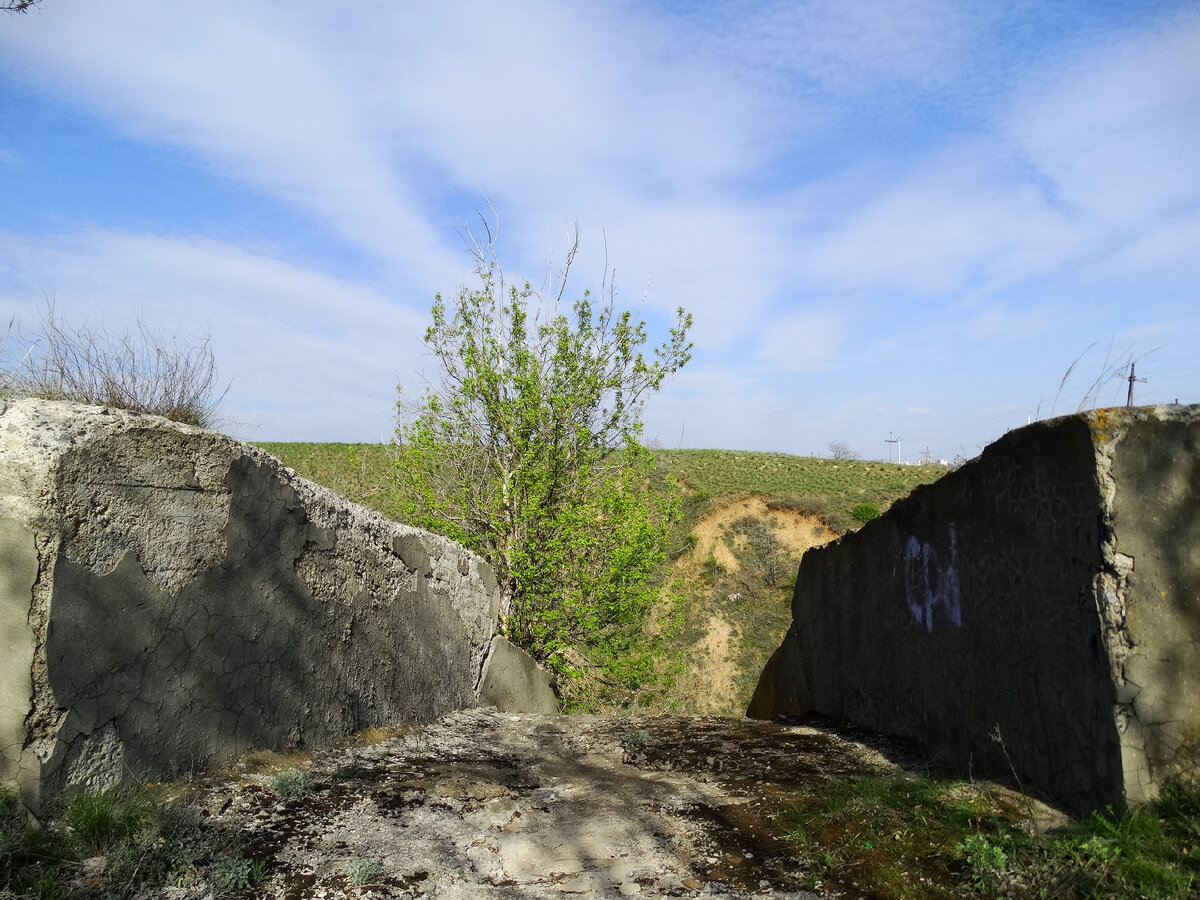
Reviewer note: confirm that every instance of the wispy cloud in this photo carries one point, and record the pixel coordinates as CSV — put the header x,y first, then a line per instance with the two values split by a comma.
x,y
827,186
287,340
804,342
1112,131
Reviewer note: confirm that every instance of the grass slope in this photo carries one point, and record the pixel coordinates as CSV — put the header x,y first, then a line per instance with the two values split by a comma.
x,y
828,488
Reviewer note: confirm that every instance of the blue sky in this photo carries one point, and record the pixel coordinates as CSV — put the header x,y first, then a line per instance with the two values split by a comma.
x,y
900,218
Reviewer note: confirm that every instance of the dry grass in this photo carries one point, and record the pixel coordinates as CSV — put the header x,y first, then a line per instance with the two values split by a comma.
x,y
142,370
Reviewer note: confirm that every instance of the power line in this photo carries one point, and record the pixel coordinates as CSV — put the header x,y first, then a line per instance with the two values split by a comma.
x,y
1131,379
896,441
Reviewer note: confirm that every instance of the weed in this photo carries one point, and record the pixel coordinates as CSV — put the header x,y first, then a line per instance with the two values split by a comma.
x,y
891,835
235,873
712,568
634,740
143,371
364,871
268,762
1147,851
291,784
987,861
911,837
101,819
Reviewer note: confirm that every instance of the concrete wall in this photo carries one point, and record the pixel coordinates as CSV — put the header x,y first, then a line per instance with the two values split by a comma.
x,y
170,597
1041,605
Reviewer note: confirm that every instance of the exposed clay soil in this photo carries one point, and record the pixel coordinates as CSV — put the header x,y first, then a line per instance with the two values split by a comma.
x,y
488,804
711,688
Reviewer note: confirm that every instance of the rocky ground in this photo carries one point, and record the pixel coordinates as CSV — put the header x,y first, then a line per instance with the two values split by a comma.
x,y
488,804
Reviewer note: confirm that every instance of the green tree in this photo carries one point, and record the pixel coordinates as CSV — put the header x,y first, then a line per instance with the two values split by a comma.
x,y
529,452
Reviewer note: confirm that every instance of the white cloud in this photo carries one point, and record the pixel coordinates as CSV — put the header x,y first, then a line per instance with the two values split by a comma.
x,y
1170,245
803,342
686,136
253,93
1114,129
1004,325
959,216
308,357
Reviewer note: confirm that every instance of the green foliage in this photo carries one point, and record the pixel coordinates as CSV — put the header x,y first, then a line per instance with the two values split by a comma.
x,y
893,836
141,842
1149,851
635,739
291,784
987,861
529,454
364,473
912,837
865,512
101,819
232,873
364,871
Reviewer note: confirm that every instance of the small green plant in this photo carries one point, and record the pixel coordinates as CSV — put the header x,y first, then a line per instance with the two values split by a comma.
x,y
364,871
892,835
232,873
987,861
291,784
911,837
101,819
634,740
865,512
712,568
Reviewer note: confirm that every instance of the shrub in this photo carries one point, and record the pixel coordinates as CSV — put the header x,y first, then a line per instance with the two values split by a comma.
x,y
143,371
364,871
291,784
635,739
865,512
529,453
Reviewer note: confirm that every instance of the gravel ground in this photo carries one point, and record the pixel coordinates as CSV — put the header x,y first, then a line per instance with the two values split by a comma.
x,y
482,804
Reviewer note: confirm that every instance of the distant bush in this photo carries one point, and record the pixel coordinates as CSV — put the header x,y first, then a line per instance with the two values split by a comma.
x,y
865,512
842,450
143,371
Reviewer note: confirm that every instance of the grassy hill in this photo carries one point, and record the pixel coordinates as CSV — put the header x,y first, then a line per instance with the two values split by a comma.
x,y
726,594
827,488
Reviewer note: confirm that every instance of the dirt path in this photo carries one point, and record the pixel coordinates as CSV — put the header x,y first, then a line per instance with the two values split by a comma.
x,y
486,804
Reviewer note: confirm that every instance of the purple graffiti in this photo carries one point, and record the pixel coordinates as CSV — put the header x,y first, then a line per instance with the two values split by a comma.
x,y
931,582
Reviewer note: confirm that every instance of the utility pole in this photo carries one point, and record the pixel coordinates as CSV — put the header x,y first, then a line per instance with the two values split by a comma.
x,y
1131,380
896,441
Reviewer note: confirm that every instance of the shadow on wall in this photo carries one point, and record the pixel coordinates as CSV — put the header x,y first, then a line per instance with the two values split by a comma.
x,y
190,598
1039,608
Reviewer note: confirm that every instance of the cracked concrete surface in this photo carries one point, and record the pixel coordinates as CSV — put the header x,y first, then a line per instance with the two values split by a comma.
x,y
171,597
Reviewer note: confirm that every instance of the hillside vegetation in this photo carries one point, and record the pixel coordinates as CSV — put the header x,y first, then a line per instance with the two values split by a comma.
x,y
725,602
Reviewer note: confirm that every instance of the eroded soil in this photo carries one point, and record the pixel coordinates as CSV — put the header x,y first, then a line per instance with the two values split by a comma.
x,y
488,804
